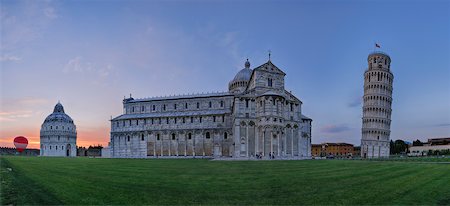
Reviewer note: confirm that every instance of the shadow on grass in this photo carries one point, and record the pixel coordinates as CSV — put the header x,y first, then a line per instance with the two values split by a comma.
x,y
13,191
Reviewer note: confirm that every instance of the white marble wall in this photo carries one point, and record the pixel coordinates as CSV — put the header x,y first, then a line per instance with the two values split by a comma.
x,y
263,119
58,139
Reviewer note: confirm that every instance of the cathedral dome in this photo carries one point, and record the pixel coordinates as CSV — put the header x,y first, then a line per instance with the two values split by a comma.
x,y
241,79
244,74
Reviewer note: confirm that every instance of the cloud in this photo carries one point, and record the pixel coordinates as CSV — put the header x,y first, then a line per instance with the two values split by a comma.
x,y
9,58
442,125
11,116
356,102
24,102
229,40
334,128
75,65
105,71
79,65
24,22
32,101
50,12
226,41
95,73
149,30
14,109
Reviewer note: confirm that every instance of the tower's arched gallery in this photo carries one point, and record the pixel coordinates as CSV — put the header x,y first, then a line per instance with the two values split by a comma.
x,y
58,134
257,117
376,121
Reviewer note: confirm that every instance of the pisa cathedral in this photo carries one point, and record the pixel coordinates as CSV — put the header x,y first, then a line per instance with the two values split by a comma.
x,y
256,118
376,120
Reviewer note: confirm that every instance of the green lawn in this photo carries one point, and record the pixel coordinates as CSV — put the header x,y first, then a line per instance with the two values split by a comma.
x,y
417,159
40,180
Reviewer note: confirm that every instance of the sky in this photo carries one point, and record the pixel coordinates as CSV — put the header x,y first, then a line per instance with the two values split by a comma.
x,y
90,54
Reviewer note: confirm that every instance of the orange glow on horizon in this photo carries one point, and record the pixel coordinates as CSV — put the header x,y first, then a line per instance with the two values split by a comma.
x,y
85,138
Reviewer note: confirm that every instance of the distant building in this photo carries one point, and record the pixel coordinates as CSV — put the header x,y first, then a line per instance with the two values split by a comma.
x,y
426,149
106,152
94,151
316,150
376,120
432,146
340,150
439,141
356,151
81,151
58,134
91,151
13,151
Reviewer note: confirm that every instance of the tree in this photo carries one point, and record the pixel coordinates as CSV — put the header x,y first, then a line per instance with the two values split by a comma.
x,y
417,143
398,147
391,144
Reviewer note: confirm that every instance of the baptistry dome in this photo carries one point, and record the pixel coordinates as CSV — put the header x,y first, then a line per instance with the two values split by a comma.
x,y
240,81
58,134
58,115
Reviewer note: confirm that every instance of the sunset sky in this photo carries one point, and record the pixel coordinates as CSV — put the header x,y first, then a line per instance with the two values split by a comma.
x,y
90,54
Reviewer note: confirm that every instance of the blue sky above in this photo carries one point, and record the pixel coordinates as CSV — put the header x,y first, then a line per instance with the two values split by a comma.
x,y
89,54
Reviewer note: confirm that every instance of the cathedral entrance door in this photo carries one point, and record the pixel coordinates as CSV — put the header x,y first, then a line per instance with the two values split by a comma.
x,y
225,150
216,150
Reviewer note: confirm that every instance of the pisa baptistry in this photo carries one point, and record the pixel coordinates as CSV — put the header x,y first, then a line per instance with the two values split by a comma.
x,y
376,120
58,134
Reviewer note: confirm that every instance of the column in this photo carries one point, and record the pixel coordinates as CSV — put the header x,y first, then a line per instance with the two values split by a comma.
x,y
379,150
271,143
128,145
139,142
292,141
185,144
177,147
256,140
246,137
203,144
154,145
237,142
284,142
264,142
170,144
161,144
279,145
193,144
111,147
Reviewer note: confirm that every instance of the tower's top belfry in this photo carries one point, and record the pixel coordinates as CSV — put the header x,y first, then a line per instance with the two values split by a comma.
x,y
379,61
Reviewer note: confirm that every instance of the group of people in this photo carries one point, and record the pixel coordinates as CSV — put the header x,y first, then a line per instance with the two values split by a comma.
x,y
260,155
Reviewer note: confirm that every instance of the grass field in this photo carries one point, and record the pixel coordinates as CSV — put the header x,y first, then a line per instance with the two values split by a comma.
x,y
40,180
417,159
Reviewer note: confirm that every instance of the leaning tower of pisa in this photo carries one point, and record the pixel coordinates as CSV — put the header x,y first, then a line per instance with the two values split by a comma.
x,y
376,120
